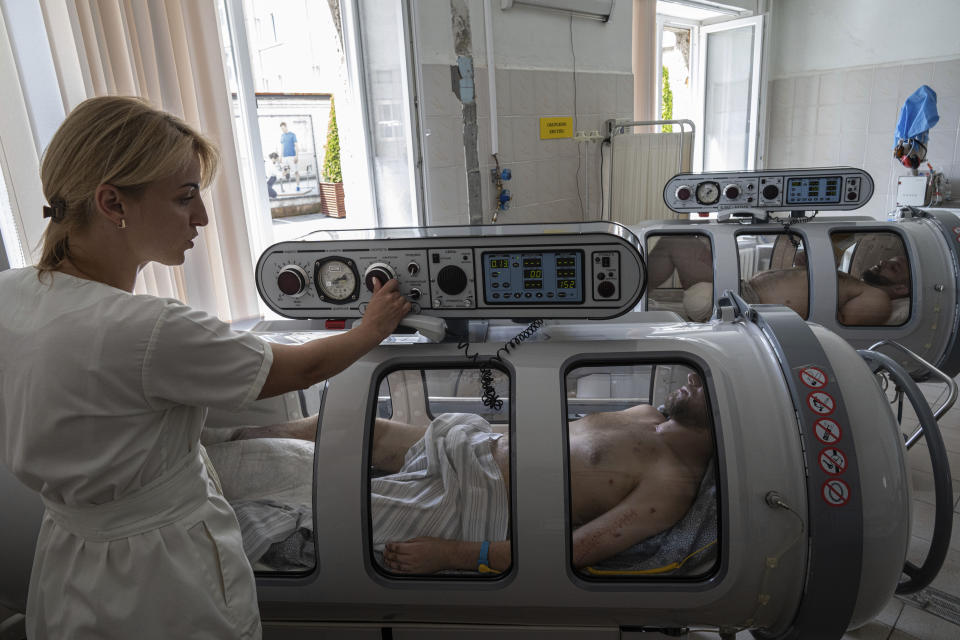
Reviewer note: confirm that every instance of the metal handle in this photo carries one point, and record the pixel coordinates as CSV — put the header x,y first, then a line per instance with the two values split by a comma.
x,y
919,577
950,382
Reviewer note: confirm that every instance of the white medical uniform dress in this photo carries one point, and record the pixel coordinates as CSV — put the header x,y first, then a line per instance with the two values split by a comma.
x,y
102,399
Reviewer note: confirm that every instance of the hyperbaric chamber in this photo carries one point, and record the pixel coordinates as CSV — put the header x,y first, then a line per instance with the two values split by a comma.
x,y
652,474
865,280
759,544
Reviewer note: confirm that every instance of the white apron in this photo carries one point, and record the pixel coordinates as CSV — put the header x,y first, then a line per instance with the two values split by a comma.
x,y
164,562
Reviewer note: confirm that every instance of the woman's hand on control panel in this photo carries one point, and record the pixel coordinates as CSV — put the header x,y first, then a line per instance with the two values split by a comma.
x,y
385,309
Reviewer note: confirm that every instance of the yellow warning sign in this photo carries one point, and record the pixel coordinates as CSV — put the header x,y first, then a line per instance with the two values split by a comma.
x,y
556,127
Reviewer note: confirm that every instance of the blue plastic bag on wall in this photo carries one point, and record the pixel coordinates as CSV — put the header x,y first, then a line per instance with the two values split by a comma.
x,y
917,116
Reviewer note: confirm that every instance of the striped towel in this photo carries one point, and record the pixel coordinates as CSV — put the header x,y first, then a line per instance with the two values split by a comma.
x,y
449,487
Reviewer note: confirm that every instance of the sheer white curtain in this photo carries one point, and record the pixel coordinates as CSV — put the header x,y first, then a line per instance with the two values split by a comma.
x,y
644,59
167,51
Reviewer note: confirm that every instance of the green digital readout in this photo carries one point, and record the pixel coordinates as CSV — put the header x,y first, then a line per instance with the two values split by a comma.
x,y
532,262
499,263
533,273
566,262
566,273
533,284
566,284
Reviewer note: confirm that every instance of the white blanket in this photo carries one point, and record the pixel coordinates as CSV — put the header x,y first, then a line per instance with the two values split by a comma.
x,y
279,469
449,487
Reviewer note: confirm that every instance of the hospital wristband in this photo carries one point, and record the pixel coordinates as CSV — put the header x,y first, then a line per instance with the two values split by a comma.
x,y
483,561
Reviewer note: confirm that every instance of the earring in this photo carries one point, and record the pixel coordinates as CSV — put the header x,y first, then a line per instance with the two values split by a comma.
x,y
123,223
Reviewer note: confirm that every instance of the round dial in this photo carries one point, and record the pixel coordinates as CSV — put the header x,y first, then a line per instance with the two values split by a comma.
x,y
708,192
292,280
379,270
336,280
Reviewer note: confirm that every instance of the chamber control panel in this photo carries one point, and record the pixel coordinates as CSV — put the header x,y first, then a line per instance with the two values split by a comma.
x,y
578,270
826,189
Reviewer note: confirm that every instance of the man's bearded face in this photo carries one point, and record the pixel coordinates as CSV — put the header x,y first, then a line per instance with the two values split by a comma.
x,y
688,404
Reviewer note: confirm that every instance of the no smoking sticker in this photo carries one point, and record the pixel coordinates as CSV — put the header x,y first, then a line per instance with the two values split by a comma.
x,y
833,461
813,377
827,430
821,403
836,493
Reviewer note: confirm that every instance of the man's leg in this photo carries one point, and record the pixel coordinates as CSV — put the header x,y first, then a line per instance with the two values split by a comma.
x,y
391,441
302,429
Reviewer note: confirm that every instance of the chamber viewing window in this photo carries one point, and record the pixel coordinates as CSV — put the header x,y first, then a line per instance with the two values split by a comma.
x,y
440,471
680,274
773,270
873,278
642,472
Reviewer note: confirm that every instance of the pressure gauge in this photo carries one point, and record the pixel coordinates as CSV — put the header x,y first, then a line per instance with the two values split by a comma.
x,y
337,280
708,192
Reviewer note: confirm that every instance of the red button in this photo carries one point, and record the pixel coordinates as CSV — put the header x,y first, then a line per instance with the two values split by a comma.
x,y
335,324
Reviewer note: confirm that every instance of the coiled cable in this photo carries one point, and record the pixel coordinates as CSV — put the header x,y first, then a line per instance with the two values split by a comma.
x,y
489,396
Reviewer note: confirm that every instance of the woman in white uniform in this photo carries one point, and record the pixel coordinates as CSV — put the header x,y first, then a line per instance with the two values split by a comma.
x,y
103,393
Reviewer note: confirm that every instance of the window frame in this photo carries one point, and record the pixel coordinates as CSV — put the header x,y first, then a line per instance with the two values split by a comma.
x,y
653,359
374,569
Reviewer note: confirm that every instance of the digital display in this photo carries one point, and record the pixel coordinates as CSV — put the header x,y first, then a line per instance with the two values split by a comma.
x,y
529,277
813,190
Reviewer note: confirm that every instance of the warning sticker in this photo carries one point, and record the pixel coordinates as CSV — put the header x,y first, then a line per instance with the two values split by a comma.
x,y
836,492
813,377
821,403
827,430
833,461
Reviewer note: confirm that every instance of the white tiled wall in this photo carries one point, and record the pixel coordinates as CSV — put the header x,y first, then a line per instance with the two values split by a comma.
x,y
849,117
545,179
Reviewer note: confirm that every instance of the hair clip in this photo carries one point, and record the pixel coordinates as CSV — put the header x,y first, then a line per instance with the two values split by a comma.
x,y
57,209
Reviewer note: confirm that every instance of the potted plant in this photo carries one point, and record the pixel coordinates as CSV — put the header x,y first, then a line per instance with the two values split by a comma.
x,y
331,186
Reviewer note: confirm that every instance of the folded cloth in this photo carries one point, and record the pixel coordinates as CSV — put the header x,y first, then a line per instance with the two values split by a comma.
x,y
698,301
449,487
264,523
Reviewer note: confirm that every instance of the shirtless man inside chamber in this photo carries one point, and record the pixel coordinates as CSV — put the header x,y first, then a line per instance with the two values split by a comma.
x,y
861,301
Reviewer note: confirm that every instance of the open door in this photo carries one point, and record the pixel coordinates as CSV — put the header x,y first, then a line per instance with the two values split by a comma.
x,y
729,81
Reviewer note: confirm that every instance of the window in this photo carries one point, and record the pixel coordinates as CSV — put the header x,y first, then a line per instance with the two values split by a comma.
x,y
298,63
709,61
680,274
440,468
640,439
873,278
773,270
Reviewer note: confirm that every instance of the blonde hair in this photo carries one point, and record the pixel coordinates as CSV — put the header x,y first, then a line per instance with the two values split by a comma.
x,y
116,140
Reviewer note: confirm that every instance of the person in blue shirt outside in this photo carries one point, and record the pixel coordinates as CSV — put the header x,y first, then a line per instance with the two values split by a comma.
x,y
289,151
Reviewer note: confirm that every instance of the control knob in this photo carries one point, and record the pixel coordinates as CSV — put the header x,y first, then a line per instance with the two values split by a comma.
x,y
413,268
292,280
731,192
452,280
379,270
683,192
606,289
770,192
